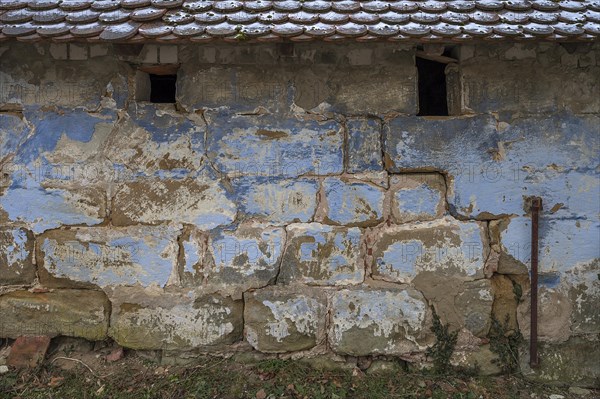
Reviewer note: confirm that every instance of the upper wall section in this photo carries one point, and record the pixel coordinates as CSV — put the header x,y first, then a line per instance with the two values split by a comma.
x,y
354,79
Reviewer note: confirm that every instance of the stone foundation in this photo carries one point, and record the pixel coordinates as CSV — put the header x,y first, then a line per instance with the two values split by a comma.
x,y
295,205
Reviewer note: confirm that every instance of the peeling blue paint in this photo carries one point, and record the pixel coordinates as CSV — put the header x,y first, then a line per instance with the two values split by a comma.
x,y
273,146
75,124
277,200
353,202
564,244
418,201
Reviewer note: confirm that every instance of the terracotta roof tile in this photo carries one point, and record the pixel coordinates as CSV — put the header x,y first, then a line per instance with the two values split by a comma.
x,y
330,20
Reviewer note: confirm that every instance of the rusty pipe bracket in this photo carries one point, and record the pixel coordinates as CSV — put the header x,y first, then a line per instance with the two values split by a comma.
x,y
536,206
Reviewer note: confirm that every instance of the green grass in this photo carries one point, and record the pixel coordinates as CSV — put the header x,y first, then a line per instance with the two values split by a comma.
x,y
223,379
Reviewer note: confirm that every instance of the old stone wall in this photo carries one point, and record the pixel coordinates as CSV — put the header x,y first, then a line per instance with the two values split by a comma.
x,y
292,203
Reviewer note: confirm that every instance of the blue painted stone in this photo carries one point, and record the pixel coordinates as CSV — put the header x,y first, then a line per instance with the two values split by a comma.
x,y
75,124
364,145
166,127
275,146
12,131
564,244
491,169
109,256
234,259
201,202
276,201
445,246
378,321
318,254
353,203
27,201
417,196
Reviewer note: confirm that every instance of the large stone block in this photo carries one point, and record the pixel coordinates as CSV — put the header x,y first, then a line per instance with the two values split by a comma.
x,y
493,164
277,201
202,202
446,246
274,145
16,256
156,140
563,244
379,322
44,180
353,202
364,145
73,313
430,144
375,89
233,260
155,319
574,362
105,256
317,254
12,131
240,88
50,205
527,86
279,320
568,304
417,197
461,304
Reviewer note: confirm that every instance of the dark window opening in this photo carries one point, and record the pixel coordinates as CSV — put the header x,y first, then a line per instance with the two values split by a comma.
x,y
162,88
433,99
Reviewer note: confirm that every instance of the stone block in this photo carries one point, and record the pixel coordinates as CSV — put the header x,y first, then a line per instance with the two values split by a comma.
x,y
563,244
417,197
375,89
274,145
58,51
233,260
281,320
491,166
461,304
572,363
155,319
353,202
526,86
202,202
446,246
379,322
317,254
108,256
239,88
46,184
43,207
16,256
149,54
483,357
156,140
78,52
73,313
28,352
364,145
276,201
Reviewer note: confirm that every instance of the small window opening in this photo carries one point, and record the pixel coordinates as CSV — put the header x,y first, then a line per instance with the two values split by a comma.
x,y
162,88
433,98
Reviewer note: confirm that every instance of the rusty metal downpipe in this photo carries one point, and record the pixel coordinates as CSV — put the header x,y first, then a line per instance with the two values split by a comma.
x,y
536,206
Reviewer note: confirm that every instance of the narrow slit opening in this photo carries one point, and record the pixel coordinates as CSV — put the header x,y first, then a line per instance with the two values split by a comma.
x,y
433,98
163,88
